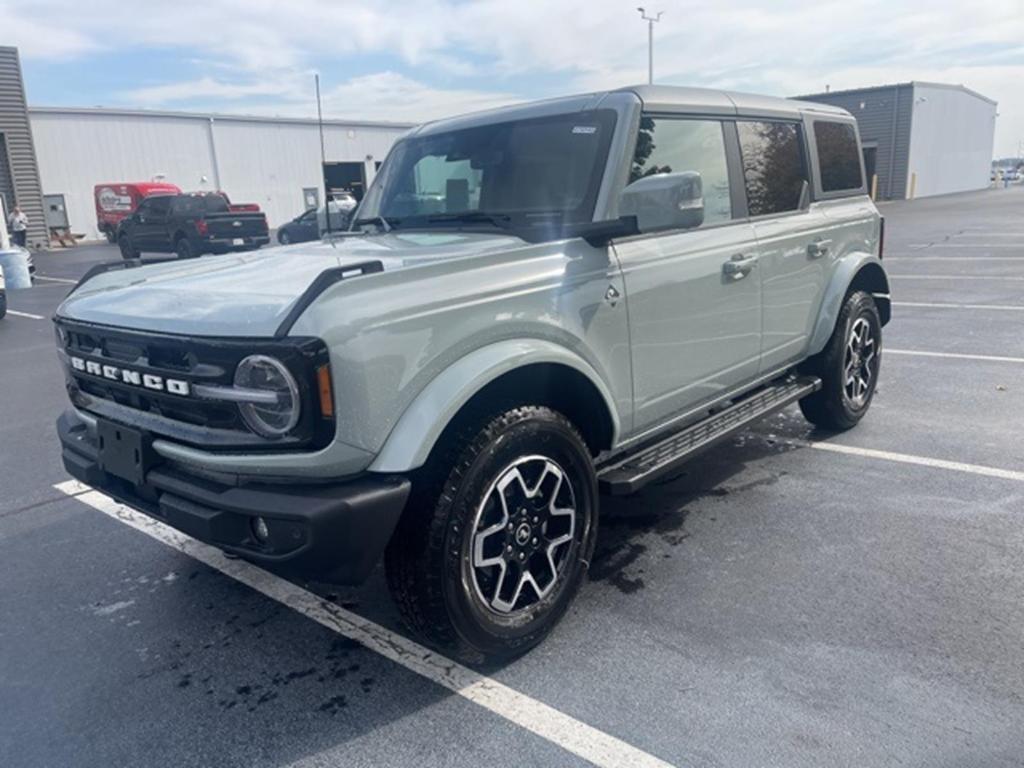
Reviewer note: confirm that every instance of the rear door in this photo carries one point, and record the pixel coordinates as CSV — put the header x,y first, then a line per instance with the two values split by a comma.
x,y
792,235
695,324
841,181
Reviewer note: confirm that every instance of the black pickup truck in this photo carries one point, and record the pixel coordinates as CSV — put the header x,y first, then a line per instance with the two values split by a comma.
x,y
190,225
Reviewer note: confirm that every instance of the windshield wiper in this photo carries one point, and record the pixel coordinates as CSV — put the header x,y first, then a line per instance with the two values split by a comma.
x,y
472,217
380,221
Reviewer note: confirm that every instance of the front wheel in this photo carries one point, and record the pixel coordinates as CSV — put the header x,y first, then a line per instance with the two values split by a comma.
x,y
497,536
848,366
284,238
127,250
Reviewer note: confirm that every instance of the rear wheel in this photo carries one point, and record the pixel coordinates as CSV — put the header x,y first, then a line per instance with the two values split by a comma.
x,y
497,536
110,235
183,248
848,366
3,304
127,250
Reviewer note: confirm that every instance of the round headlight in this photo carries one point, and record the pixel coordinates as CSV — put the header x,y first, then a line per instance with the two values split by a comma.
x,y
270,419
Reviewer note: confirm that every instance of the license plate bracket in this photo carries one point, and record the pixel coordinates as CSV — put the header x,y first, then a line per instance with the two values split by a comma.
x,y
124,452
238,241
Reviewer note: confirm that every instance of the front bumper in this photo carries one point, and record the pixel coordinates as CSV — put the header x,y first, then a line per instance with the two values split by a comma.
x,y
335,531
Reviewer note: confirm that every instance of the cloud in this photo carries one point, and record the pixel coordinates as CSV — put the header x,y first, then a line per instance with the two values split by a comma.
x,y
458,54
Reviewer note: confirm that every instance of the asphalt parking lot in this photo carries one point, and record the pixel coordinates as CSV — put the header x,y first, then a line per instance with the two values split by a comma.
x,y
792,599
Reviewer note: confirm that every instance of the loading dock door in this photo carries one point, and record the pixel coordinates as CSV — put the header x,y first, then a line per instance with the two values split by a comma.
x,y
340,177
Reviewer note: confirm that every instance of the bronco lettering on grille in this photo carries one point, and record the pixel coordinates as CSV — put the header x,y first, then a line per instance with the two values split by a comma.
x,y
134,378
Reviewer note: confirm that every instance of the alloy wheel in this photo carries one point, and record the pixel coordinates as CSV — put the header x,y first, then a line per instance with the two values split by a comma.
x,y
860,363
522,535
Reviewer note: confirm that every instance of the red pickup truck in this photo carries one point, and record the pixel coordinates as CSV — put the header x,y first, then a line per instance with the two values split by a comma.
x,y
117,200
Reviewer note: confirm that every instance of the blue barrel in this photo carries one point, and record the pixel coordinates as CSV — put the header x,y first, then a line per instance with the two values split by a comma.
x,y
15,266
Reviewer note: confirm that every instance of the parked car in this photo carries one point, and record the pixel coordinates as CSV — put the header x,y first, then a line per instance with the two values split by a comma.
x,y
342,209
613,282
117,200
190,225
301,229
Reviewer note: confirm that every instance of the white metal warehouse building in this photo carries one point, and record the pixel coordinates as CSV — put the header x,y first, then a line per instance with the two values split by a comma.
x,y
275,162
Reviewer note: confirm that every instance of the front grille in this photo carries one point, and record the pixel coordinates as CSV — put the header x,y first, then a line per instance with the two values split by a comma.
x,y
200,360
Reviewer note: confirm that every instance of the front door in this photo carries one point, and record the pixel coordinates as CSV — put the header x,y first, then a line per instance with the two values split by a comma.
x,y
792,236
695,323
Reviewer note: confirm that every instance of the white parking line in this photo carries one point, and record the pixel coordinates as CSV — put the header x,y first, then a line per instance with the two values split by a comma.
x,y
1019,246
572,735
1000,307
25,314
922,461
954,355
1014,278
954,258
49,279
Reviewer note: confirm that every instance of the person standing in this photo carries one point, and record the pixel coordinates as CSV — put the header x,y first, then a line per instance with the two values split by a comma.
x,y
17,222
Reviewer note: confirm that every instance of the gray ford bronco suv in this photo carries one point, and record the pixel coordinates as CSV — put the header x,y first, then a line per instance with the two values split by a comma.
x,y
534,305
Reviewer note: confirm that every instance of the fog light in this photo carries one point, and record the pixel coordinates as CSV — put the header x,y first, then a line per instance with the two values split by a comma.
x,y
260,530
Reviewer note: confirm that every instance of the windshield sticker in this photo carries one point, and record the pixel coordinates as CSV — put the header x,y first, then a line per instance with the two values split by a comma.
x,y
586,130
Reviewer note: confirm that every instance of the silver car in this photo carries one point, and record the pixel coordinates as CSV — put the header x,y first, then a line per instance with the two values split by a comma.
x,y
535,306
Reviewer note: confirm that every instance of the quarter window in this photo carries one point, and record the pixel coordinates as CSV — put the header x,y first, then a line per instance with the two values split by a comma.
x,y
773,166
667,145
838,157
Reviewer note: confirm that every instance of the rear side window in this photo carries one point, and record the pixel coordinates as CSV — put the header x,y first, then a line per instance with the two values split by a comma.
x,y
773,166
671,145
838,158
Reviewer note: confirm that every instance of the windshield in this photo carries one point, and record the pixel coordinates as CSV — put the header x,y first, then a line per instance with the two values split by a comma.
x,y
518,175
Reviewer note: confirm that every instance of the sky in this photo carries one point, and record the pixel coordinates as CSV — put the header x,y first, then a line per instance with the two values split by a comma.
x,y
415,61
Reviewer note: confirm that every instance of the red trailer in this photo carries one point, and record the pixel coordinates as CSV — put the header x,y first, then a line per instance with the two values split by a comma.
x,y
117,200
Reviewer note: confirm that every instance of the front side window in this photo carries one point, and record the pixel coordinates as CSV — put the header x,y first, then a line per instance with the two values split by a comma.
x,y
517,174
838,157
773,166
158,206
672,145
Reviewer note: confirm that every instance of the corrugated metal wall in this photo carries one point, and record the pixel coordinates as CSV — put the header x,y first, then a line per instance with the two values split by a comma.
x,y
257,160
951,140
884,117
19,173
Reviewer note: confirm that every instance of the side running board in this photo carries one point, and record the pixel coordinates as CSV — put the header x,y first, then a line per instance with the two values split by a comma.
x,y
630,473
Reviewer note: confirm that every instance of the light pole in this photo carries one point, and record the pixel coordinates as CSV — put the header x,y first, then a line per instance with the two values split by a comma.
x,y
650,40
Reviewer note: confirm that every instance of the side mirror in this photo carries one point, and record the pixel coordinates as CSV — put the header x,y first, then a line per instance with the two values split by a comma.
x,y
665,201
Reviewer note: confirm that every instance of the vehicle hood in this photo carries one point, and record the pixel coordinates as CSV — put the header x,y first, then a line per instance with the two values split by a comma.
x,y
249,294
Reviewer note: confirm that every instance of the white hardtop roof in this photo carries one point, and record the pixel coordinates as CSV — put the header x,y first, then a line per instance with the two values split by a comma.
x,y
655,98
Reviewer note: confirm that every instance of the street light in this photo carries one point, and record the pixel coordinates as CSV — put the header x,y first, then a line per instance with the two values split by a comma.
x,y
650,40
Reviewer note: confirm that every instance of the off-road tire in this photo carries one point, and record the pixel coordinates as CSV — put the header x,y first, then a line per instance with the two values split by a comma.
x,y
831,407
429,554
127,251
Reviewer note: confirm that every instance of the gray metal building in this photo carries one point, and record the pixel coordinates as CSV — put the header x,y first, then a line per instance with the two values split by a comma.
x,y
921,139
19,172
